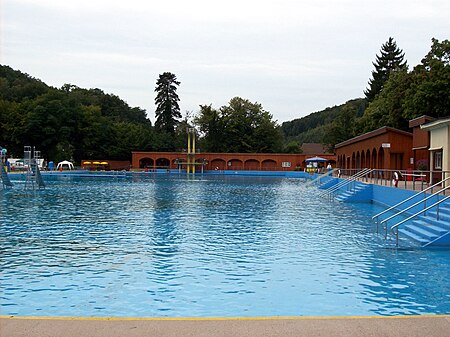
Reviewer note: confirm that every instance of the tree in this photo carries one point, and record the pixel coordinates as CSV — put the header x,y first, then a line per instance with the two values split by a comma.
x,y
429,92
70,122
387,109
390,59
12,127
167,108
180,138
241,126
16,86
211,129
52,124
129,137
292,147
343,127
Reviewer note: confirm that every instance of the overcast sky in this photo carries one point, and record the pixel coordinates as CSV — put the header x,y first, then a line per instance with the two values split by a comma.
x,y
293,57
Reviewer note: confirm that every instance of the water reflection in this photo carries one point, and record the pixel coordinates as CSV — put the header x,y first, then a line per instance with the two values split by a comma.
x,y
153,246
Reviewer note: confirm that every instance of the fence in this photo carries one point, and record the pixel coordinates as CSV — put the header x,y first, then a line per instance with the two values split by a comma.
x,y
406,179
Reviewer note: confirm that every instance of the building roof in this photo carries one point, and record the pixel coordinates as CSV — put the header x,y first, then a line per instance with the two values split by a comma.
x,y
436,124
420,120
313,148
371,134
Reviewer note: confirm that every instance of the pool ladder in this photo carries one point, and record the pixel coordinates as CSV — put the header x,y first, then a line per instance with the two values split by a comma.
x,y
318,180
431,223
348,183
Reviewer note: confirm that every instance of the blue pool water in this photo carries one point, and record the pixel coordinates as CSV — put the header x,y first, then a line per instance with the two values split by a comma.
x,y
204,247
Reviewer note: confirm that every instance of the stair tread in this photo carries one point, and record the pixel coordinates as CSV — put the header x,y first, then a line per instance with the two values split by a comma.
x,y
432,220
413,236
421,231
431,224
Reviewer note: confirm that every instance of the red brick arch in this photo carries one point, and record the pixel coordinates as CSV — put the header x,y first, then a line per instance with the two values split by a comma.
x,y
218,164
269,165
252,165
239,161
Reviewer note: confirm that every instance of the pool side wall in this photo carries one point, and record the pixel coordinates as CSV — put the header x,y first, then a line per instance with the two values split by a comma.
x,y
384,196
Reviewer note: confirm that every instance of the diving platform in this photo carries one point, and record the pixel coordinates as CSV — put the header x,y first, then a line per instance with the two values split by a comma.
x,y
191,162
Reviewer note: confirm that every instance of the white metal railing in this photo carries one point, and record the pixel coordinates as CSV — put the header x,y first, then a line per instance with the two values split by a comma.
x,y
423,201
416,180
321,176
375,218
345,182
329,191
394,229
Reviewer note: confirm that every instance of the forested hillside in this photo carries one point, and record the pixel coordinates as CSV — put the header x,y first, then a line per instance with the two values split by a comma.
x,y
72,123
68,123
314,128
395,96
75,123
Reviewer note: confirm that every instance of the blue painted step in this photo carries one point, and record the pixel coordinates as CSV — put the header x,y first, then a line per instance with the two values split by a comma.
x,y
356,194
328,183
426,229
431,220
422,232
415,237
444,213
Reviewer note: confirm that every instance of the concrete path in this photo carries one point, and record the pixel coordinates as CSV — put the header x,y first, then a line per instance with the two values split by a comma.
x,y
400,326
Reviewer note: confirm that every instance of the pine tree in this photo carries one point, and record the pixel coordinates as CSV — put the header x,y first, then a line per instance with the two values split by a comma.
x,y
391,59
167,108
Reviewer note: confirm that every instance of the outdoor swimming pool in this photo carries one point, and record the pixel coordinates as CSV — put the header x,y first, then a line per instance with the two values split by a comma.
x,y
207,246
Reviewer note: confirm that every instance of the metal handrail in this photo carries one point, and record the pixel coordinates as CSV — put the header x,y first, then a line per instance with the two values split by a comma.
x,y
409,207
395,227
369,171
348,181
327,174
406,200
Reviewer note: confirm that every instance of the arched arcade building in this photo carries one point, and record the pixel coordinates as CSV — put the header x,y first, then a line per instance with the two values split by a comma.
x,y
225,161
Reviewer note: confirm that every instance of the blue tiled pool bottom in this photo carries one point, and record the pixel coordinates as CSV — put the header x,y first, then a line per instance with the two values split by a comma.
x,y
204,247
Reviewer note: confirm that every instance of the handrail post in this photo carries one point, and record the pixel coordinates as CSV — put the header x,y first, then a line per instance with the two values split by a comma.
x,y
396,237
437,207
405,179
425,201
385,230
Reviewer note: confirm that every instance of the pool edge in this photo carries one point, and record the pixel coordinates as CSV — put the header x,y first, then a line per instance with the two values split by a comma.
x,y
255,318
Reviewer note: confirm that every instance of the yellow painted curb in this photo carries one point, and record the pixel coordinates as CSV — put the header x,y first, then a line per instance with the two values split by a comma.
x,y
262,318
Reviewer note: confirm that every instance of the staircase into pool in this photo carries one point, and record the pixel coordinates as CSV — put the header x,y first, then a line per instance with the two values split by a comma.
x,y
350,189
360,192
431,229
423,218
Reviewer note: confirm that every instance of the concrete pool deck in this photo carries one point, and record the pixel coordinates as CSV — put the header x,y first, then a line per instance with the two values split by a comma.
x,y
373,326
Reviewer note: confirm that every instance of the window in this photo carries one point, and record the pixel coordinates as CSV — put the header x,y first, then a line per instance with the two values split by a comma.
x,y
438,160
